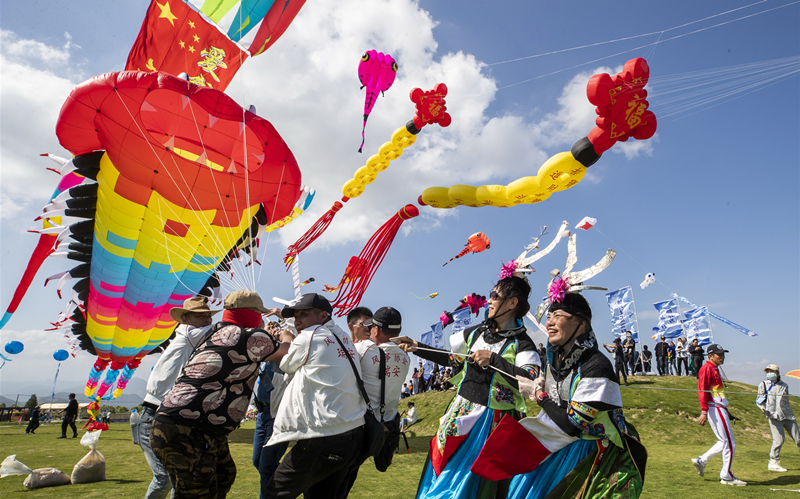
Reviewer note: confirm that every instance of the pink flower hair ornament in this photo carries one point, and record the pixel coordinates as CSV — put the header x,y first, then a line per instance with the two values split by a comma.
x,y
557,290
508,269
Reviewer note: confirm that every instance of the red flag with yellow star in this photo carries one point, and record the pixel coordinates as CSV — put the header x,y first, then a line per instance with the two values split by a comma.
x,y
176,39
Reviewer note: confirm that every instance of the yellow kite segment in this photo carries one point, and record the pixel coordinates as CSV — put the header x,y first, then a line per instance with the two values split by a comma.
x,y
558,173
388,152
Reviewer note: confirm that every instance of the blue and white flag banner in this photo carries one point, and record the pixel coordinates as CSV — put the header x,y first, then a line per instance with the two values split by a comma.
x,y
697,326
669,320
462,319
623,313
432,338
436,340
723,320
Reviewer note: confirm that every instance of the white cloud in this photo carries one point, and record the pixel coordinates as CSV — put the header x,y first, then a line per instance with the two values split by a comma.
x,y
32,98
307,86
37,54
317,107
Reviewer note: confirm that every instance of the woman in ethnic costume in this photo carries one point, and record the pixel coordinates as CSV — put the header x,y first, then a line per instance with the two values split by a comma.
x,y
595,453
494,350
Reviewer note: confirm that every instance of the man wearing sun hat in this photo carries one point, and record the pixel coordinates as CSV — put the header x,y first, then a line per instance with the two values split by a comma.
x,y
211,396
773,400
194,320
711,392
322,407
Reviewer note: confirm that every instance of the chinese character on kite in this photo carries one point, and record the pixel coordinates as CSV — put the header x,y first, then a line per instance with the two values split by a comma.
x,y
621,108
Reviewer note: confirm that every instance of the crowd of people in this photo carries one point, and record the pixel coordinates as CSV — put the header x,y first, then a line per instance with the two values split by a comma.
x,y
318,385
438,380
672,358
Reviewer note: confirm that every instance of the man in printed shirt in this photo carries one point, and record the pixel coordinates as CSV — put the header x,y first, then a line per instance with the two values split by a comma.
x,y
210,398
715,411
195,321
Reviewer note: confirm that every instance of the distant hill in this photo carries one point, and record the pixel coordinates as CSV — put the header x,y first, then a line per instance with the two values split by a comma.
x,y
133,394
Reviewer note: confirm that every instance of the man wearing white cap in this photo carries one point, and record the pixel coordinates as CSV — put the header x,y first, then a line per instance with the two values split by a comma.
x,y
711,392
773,400
194,320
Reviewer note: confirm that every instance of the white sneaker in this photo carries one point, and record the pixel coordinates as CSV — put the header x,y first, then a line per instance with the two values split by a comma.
x,y
733,481
775,465
699,465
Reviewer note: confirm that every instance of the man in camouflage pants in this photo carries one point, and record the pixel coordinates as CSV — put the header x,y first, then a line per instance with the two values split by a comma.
x,y
210,399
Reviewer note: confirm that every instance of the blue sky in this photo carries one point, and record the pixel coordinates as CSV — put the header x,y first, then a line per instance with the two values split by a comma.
x,y
710,204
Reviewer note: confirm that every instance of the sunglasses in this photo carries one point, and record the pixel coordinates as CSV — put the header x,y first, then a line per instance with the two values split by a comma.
x,y
494,296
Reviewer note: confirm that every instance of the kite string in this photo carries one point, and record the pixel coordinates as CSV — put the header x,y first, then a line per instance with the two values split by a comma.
x,y
272,218
625,38
660,281
466,356
646,45
143,136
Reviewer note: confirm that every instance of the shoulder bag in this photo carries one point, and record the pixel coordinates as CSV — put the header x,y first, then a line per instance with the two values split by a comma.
x,y
384,458
374,431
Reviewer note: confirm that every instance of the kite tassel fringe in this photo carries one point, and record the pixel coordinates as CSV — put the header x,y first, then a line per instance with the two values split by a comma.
x,y
127,374
111,378
94,376
311,235
372,255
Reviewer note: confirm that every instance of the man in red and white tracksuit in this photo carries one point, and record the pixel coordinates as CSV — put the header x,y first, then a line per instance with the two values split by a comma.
x,y
715,412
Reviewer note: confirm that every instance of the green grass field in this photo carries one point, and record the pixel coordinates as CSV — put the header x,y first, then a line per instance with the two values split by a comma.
x,y
665,419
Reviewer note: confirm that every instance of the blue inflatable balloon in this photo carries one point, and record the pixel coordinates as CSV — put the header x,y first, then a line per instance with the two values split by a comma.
x,y
14,347
61,355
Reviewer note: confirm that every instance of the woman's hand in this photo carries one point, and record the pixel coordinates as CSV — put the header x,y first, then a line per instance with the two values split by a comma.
x,y
482,357
530,388
405,343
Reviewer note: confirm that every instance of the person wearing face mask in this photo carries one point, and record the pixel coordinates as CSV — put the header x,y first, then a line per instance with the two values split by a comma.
x,y
773,400
581,423
487,357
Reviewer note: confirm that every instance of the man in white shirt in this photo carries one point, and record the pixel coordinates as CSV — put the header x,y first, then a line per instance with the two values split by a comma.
x,y
383,326
322,407
411,417
356,320
195,321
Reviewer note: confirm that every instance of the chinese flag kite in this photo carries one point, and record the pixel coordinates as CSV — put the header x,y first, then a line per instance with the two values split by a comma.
x,y
176,39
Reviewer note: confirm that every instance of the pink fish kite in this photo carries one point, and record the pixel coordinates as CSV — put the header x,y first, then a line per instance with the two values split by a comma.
x,y
376,72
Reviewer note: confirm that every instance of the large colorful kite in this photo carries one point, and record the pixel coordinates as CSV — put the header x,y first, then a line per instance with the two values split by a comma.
x,y
183,176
